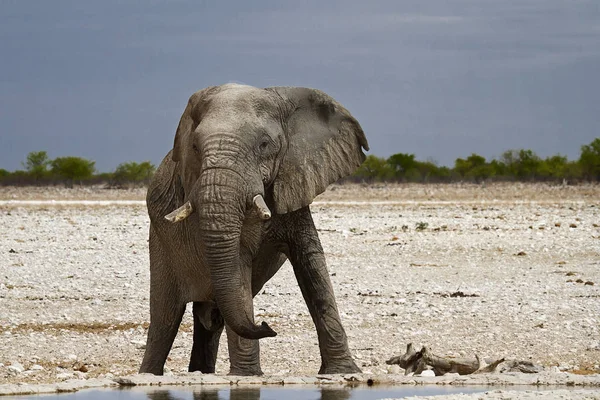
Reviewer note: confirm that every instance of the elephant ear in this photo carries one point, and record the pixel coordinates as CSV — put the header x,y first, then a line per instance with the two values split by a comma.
x,y
191,117
324,144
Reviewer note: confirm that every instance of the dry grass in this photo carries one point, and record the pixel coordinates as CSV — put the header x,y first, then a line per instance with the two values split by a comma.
x,y
497,193
92,327
82,327
463,192
584,371
98,192
79,327
7,207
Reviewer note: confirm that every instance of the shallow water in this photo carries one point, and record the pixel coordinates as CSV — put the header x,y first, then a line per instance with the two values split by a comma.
x,y
259,393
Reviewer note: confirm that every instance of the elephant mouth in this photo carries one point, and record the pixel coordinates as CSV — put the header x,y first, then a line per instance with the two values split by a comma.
x,y
260,207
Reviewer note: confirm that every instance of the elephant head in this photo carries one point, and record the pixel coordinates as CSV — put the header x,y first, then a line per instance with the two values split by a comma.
x,y
238,145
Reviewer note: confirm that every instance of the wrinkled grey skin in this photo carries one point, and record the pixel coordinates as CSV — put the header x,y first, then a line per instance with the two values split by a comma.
x,y
234,142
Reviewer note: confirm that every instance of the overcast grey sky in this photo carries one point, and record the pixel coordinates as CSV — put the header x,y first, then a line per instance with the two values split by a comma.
x,y
108,80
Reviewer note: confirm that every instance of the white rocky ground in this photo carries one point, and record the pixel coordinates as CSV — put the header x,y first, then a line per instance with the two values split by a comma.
x,y
501,271
521,395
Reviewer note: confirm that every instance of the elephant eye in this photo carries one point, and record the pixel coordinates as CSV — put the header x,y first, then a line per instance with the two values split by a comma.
x,y
195,148
263,145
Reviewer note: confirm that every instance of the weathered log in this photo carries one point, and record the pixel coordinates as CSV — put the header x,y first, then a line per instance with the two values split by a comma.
x,y
417,361
488,368
441,365
527,367
406,359
411,361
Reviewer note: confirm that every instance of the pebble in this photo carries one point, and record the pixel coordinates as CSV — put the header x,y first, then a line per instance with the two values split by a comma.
x,y
393,369
139,344
16,368
80,375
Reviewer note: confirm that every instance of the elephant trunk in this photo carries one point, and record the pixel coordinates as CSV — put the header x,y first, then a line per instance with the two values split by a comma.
x,y
221,208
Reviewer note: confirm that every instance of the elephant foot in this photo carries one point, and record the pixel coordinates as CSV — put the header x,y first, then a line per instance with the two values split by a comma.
x,y
347,366
248,371
205,369
159,371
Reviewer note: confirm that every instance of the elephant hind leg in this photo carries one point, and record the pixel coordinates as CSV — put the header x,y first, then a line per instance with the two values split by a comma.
x,y
208,326
244,355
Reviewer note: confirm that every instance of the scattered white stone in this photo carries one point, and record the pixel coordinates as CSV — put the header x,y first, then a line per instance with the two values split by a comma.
x,y
64,375
393,369
293,380
36,367
80,375
16,367
428,372
139,344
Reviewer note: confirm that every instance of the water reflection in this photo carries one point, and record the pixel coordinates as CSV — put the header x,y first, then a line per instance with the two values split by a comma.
x,y
254,394
209,394
335,394
164,395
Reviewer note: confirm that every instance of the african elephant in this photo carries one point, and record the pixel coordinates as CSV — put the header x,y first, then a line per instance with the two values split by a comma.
x,y
229,204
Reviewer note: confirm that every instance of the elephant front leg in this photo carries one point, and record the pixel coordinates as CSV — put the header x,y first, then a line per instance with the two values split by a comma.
x,y
161,334
166,311
208,326
308,260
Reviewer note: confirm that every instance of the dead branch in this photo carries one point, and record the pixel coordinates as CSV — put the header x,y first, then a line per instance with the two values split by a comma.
x,y
441,365
411,361
417,361
406,359
488,368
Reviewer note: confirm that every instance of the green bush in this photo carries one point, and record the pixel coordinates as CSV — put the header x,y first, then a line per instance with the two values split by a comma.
x,y
73,169
36,165
521,165
374,169
552,168
589,160
428,171
474,168
133,172
401,164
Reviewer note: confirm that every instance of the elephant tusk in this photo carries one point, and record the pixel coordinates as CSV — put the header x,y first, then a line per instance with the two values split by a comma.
x,y
181,213
261,207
